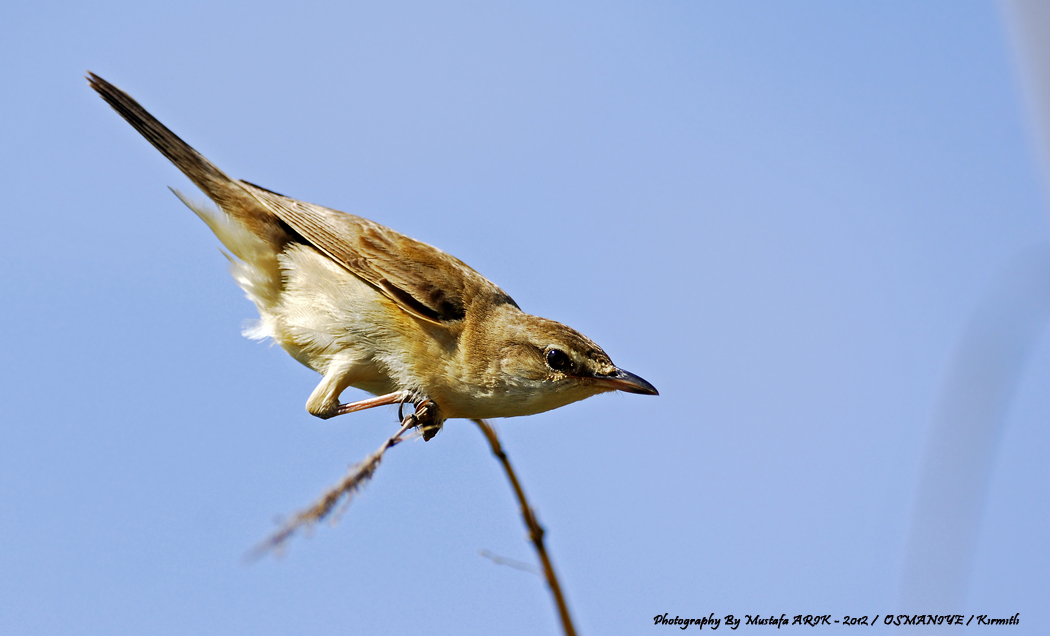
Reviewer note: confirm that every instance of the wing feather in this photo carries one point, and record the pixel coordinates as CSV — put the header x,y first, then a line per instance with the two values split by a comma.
x,y
422,280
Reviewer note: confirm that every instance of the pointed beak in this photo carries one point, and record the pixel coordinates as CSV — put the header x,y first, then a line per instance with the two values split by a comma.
x,y
621,380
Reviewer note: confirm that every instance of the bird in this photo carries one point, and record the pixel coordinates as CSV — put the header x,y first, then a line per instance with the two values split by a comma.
x,y
368,307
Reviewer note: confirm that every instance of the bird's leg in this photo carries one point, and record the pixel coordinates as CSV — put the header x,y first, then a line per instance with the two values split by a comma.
x,y
379,400
427,416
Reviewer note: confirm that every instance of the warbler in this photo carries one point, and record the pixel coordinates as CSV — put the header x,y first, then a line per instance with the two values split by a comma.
x,y
371,308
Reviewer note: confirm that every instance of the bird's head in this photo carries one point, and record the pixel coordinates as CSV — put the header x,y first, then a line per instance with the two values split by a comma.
x,y
543,364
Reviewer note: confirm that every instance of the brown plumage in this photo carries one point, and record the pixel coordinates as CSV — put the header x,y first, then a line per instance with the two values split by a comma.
x,y
368,307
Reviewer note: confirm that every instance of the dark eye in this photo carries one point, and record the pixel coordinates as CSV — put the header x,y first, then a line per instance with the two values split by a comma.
x,y
558,360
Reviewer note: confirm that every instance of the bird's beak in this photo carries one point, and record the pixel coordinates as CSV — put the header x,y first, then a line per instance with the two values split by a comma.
x,y
621,380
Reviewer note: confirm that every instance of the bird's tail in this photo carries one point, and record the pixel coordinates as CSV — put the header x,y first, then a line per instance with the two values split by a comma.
x,y
203,173
245,225
228,193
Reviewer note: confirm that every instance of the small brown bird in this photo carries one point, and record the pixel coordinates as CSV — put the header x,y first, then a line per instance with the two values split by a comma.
x,y
370,308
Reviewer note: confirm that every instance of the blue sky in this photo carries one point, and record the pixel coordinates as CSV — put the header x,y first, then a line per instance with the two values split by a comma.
x,y
786,216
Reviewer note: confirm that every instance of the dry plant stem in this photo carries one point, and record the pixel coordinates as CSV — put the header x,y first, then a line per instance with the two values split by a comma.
x,y
355,478
535,529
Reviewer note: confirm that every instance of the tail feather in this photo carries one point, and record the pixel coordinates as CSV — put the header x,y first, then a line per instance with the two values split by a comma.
x,y
228,193
201,171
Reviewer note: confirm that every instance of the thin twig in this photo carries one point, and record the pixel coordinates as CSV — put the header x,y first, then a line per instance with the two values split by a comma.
x,y
343,491
535,529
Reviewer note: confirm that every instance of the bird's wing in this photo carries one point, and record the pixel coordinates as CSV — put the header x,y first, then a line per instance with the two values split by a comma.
x,y
422,280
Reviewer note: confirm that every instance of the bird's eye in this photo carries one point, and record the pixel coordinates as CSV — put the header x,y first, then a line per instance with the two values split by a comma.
x,y
558,360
